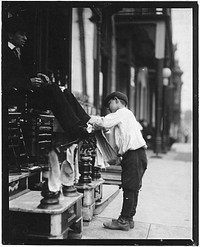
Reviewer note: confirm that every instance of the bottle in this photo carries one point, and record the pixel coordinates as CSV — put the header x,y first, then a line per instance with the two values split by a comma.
x,y
66,81
58,78
53,78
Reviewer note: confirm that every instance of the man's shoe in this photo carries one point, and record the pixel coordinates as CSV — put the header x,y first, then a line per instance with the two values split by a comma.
x,y
82,132
79,132
131,223
116,225
63,147
50,194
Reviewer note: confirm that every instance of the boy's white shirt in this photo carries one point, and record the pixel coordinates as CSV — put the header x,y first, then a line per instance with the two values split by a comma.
x,y
127,130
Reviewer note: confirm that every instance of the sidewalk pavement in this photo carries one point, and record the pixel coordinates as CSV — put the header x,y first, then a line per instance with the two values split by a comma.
x,y
165,201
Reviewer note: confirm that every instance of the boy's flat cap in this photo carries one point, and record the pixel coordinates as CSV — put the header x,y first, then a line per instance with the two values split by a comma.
x,y
117,94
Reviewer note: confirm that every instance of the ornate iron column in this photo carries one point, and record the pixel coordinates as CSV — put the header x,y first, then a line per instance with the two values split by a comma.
x,y
97,19
158,138
87,156
165,139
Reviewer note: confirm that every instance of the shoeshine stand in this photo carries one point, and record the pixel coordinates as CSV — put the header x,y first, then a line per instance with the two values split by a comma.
x,y
28,221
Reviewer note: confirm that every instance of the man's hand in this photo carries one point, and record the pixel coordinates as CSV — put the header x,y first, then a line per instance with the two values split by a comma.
x,y
36,82
44,78
40,80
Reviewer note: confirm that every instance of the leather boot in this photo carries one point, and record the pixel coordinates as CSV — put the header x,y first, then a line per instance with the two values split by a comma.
x,y
119,224
131,222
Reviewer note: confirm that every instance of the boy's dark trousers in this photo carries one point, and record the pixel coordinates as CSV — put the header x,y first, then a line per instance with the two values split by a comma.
x,y
134,164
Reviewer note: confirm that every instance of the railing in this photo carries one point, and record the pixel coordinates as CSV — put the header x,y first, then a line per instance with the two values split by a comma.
x,y
145,11
83,101
88,107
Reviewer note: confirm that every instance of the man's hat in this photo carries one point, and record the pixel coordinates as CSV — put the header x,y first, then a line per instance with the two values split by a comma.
x,y
15,24
117,94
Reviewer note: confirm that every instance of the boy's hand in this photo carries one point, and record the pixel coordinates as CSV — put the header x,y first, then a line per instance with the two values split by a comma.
x,y
96,122
92,120
97,127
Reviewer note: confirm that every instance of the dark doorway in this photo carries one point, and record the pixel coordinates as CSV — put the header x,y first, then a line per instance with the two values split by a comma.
x,y
48,49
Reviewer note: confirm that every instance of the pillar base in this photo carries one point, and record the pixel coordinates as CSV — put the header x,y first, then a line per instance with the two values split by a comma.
x,y
69,191
50,199
92,193
49,203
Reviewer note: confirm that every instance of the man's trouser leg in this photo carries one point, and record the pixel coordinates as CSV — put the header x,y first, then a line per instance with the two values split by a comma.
x,y
77,108
51,97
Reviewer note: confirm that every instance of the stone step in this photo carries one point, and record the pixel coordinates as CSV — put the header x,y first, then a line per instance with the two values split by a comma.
x,y
109,193
21,183
112,175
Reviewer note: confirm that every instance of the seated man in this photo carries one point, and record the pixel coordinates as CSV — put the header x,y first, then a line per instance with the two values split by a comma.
x,y
44,94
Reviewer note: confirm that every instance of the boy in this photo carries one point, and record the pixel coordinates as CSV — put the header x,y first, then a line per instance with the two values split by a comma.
x,y
131,147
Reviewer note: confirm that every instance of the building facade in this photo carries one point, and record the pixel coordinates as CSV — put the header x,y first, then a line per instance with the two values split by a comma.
x,y
96,49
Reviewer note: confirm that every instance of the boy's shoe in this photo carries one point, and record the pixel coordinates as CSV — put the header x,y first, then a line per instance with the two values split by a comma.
x,y
116,225
131,223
